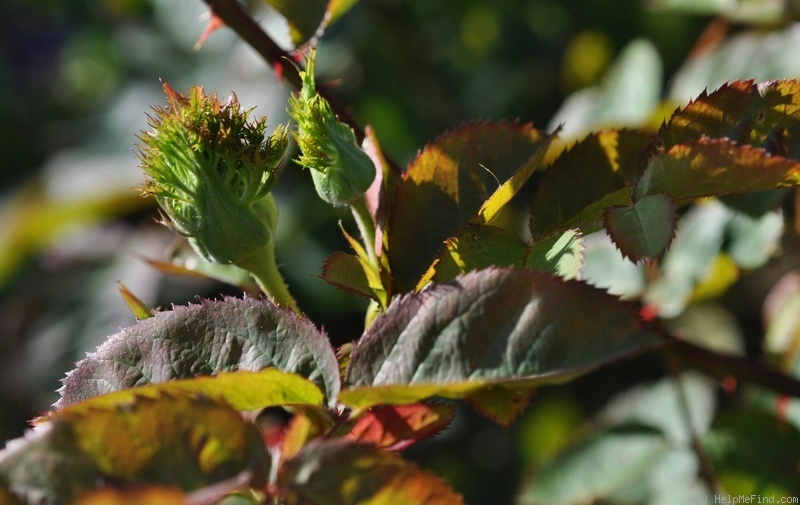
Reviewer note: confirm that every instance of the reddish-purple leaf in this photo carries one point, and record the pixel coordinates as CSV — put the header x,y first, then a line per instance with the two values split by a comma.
x,y
214,336
495,328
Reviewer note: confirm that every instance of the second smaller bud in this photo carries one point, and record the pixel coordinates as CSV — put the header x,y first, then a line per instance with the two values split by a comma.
x,y
340,169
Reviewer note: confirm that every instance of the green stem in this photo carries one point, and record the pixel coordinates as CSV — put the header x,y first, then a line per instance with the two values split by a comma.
x,y
366,226
265,271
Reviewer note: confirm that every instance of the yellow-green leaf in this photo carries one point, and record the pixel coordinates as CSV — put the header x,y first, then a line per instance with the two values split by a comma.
x,y
241,390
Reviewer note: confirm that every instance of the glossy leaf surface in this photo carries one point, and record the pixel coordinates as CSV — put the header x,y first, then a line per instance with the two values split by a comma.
x,y
475,247
205,339
498,327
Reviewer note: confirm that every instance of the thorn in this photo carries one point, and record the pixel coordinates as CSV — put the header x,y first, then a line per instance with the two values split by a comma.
x,y
214,22
277,69
648,313
729,384
782,404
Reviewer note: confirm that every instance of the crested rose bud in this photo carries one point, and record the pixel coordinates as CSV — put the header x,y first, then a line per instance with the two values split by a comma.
x,y
340,169
211,171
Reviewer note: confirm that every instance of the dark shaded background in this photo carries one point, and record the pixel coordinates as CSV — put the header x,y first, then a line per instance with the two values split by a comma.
x,y
77,77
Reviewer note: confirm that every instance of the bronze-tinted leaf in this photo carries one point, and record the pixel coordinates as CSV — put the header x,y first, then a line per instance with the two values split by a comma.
x,y
446,185
172,440
346,473
710,167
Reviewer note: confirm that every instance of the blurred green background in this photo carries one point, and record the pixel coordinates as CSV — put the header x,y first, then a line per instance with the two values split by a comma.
x,y
78,77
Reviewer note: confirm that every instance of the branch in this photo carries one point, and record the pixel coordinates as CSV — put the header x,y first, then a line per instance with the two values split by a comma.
x,y
235,17
742,368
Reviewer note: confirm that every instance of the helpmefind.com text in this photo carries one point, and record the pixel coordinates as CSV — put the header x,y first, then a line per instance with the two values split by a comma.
x,y
752,498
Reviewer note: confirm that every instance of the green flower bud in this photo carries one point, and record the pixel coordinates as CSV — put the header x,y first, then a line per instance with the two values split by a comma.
x,y
211,171
340,169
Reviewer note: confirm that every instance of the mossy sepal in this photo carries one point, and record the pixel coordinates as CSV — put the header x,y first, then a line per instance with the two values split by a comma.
x,y
211,170
340,169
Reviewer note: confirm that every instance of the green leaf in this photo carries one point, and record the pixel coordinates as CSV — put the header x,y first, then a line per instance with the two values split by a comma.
x,y
353,275
594,174
305,17
562,255
697,243
756,204
499,327
395,427
345,473
662,405
205,339
644,229
606,268
627,95
444,188
200,442
765,115
755,453
753,241
758,54
34,219
139,309
184,261
475,247
715,167
782,319
596,468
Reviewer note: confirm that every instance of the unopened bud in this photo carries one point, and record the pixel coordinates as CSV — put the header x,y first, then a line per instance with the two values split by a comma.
x,y
340,169
211,171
